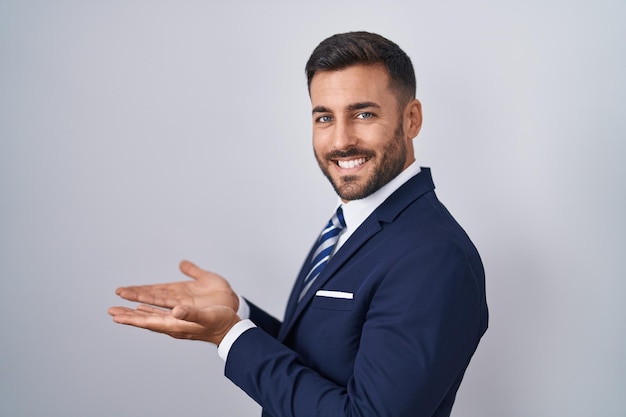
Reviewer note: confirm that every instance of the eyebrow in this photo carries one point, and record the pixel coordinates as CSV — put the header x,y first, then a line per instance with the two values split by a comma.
x,y
351,107
363,105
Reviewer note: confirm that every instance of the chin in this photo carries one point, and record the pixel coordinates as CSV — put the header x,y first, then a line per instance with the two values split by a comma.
x,y
350,190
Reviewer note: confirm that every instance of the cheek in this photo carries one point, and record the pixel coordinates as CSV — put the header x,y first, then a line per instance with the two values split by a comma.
x,y
320,141
373,135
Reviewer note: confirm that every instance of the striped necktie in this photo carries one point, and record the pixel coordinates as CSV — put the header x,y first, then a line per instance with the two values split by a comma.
x,y
324,249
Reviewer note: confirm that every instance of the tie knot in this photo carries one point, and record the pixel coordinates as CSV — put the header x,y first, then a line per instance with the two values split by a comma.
x,y
338,221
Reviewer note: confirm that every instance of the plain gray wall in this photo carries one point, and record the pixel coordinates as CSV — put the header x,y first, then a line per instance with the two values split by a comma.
x,y
134,134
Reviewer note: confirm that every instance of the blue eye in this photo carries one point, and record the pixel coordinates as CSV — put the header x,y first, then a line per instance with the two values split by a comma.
x,y
365,115
324,119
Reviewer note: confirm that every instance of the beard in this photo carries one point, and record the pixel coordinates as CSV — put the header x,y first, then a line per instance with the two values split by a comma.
x,y
389,163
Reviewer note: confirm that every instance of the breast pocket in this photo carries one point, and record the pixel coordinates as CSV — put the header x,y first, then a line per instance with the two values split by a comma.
x,y
333,300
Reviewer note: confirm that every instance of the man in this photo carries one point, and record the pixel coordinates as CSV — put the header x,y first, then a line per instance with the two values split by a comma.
x,y
389,305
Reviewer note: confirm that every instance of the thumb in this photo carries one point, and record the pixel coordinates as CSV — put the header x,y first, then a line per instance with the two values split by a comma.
x,y
187,313
216,320
208,317
190,269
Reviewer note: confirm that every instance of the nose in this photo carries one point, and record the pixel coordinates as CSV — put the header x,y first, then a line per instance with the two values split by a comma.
x,y
343,135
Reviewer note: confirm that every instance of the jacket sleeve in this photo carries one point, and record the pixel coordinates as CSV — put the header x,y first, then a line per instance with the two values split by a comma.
x,y
423,324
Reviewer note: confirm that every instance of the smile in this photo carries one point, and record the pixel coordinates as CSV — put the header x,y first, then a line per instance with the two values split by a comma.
x,y
352,163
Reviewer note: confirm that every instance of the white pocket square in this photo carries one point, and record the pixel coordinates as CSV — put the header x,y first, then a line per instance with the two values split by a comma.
x,y
335,294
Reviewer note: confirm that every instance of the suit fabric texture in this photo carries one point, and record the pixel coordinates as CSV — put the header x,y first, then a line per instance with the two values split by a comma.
x,y
399,346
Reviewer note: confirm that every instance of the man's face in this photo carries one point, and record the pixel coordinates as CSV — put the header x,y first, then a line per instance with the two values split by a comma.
x,y
359,138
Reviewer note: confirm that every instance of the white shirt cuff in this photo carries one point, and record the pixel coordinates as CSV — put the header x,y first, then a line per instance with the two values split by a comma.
x,y
232,335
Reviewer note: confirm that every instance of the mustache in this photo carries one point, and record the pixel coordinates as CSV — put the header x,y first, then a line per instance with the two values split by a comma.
x,y
348,153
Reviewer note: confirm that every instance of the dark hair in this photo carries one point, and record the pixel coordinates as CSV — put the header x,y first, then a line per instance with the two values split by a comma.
x,y
346,49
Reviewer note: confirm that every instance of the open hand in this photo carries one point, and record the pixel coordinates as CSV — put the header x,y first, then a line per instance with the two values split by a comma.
x,y
206,289
201,309
209,324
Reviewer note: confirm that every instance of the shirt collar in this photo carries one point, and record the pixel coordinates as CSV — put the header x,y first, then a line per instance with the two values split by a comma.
x,y
356,211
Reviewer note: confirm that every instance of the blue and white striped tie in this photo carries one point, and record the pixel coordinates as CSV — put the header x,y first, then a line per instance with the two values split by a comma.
x,y
324,250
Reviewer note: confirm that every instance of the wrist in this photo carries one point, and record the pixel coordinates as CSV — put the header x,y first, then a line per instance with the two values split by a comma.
x,y
217,338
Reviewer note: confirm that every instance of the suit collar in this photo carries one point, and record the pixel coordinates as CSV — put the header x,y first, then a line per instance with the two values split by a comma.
x,y
405,195
385,213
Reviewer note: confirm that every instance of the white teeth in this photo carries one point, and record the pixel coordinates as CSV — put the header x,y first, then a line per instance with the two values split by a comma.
x,y
351,163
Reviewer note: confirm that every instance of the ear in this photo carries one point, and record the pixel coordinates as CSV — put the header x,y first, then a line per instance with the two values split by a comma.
x,y
412,118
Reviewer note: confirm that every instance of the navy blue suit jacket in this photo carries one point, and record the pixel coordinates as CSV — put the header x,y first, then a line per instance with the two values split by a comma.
x,y
400,346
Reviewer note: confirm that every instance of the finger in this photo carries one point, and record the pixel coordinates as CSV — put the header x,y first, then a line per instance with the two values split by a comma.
x,y
114,311
143,316
162,295
123,291
163,323
151,309
141,319
117,312
132,293
192,314
207,317
191,270
184,313
216,321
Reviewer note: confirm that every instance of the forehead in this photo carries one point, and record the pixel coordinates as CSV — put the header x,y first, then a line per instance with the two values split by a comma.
x,y
352,84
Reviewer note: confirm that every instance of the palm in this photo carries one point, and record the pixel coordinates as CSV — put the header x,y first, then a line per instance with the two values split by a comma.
x,y
205,290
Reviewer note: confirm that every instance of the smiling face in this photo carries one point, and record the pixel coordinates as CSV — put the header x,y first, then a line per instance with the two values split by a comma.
x,y
362,136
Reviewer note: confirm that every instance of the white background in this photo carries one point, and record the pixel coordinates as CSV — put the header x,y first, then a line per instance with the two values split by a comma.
x,y
134,134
